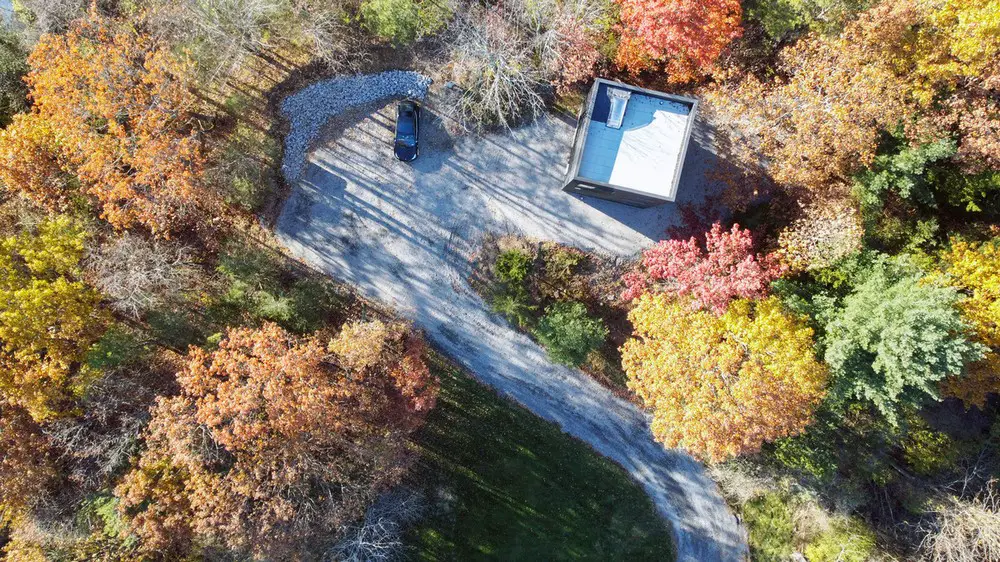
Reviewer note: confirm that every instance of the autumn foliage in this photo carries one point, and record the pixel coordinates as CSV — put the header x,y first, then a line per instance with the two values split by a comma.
x,y
828,230
275,441
975,269
721,386
111,108
725,269
27,467
48,318
929,67
822,124
685,37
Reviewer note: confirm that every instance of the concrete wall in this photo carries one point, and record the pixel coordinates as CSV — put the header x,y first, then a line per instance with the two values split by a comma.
x,y
581,187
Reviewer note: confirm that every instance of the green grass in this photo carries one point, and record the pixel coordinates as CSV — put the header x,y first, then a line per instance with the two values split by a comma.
x,y
505,485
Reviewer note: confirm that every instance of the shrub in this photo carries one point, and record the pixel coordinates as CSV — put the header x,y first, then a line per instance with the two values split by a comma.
x,y
808,453
118,347
512,267
175,329
259,288
772,530
928,452
974,192
404,21
963,530
559,280
312,301
569,333
847,541
242,168
515,307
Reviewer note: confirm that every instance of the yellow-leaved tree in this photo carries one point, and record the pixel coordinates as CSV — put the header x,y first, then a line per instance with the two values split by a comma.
x,y
48,318
975,270
722,385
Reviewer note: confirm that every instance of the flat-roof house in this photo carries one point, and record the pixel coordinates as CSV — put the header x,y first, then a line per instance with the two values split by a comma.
x,y
630,144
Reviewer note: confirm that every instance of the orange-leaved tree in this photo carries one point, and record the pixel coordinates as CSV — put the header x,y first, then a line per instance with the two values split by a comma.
x,y
721,386
111,107
27,463
685,37
931,67
821,125
276,442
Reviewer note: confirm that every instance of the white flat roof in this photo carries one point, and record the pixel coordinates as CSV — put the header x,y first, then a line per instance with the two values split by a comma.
x,y
645,153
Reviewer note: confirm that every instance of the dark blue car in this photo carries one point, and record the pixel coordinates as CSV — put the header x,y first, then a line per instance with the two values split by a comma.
x,y
407,128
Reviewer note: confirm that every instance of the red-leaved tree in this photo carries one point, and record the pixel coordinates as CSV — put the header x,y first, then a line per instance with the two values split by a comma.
x,y
685,36
726,269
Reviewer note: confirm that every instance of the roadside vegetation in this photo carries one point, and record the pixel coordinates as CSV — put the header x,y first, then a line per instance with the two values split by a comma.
x,y
564,298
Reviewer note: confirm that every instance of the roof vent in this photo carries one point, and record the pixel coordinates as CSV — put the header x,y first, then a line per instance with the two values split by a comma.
x,y
619,99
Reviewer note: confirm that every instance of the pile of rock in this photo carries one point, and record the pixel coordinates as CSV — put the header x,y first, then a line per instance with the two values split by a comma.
x,y
309,109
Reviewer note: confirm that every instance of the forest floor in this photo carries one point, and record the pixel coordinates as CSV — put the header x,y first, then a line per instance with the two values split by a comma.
x,y
404,234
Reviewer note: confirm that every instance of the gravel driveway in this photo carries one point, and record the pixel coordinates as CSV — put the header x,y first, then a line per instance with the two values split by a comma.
x,y
404,233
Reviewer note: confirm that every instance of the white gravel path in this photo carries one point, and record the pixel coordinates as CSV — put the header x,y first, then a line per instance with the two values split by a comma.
x,y
403,234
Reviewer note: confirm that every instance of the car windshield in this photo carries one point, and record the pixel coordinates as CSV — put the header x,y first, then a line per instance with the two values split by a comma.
x,y
404,125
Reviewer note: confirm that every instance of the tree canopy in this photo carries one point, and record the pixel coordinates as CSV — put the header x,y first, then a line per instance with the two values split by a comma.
x,y
895,337
48,318
724,270
721,386
112,110
974,269
275,442
685,37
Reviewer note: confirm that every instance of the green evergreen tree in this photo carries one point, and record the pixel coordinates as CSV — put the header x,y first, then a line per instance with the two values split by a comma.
x,y
894,337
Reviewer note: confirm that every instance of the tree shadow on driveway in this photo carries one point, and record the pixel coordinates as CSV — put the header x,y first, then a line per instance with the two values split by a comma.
x,y
404,234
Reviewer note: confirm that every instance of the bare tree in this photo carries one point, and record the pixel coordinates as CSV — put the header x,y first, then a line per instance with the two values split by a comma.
x,y
506,55
964,531
224,34
100,440
333,41
53,16
138,274
495,64
378,537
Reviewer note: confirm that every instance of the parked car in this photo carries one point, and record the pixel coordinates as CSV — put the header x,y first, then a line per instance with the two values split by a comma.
x,y
407,130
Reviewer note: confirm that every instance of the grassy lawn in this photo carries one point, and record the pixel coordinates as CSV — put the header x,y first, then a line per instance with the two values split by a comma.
x,y
506,485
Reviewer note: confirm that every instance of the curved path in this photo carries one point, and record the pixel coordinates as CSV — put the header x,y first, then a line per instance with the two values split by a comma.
x,y
404,235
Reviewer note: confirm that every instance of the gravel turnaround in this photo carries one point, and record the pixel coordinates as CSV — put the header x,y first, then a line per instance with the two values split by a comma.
x,y
405,233
309,109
